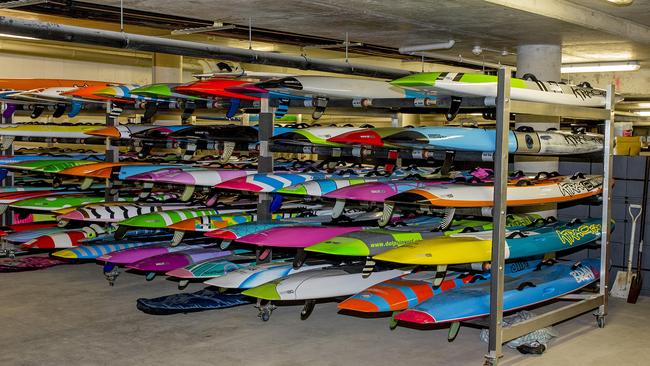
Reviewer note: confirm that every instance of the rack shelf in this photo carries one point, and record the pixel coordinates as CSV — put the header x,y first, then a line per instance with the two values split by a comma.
x,y
497,333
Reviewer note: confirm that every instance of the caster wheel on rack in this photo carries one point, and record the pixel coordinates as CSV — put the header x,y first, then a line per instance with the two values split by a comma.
x,y
307,309
600,321
265,315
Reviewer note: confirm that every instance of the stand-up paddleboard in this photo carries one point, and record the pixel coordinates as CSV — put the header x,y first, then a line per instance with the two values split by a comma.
x,y
12,197
339,87
83,236
214,88
409,290
479,85
215,222
321,187
212,268
271,182
296,236
25,236
121,131
312,136
327,282
179,259
371,242
472,247
159,220
162,91
192,177
59,202
97,250
254,275
380,191
520,192
47,165
520,290
521,141
117,211
11,159
124,257
47,131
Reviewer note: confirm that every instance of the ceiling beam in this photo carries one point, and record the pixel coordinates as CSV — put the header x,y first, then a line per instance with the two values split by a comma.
x,y
581,16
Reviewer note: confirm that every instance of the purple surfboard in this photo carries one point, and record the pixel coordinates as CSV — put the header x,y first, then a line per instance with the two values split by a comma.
x,y
379,191
171,261
296,236
132,255
202,177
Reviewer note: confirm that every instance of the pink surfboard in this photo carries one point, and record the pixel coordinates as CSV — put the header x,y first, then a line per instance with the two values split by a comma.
x,y
296,236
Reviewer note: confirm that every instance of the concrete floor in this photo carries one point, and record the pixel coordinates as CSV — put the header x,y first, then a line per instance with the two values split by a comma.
x,y
68,315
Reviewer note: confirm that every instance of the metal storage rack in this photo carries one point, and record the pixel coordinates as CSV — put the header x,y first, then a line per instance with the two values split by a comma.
x,y
582,302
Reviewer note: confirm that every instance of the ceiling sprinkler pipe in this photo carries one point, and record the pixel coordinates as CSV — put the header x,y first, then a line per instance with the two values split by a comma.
x,y
428,47
459,59
99,37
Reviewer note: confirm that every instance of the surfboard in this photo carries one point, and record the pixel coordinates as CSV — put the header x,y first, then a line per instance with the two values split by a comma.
x,y
479,85
12,197
179,259
47,130
380,191
339,87
166,218
133,255
321,187
212,267
296,236
20,237
521,290
520,192
196,176
97,250
28,84
214,222
253,275
411,289
117,211
59,202
214,88
327,282
472,247
162,91
121,131
312,136
47,166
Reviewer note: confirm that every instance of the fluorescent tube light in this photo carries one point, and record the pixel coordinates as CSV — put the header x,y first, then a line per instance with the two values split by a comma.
x,y
601,67
18,37
643,113
621,2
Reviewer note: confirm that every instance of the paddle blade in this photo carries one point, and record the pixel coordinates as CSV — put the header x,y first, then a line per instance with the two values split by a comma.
x,y
635,288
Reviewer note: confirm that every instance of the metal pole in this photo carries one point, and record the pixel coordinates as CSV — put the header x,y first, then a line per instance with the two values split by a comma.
x,y
607,198
499,211
112,154
264,165
7,217
98,37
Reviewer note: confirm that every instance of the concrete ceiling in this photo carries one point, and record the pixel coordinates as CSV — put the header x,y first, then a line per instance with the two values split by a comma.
x,y
491,24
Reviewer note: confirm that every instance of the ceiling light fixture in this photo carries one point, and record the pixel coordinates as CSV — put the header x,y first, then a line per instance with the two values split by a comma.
x,y
601,67
643,113
18,37
621,2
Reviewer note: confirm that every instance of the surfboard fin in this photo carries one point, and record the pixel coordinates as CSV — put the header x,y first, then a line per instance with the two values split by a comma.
x,y
441,272
368,267
188,191
454,108
86,183
3,208
7,141
225,244
234,108
121,232
188,111
453,331
338,208
177,238
320,105
150,110
447,218
300,258
389,207
228,149
10,108
37,111
282,108
75,108
59,110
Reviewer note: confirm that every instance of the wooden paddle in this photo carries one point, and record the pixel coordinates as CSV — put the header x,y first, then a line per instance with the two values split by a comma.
x,y
637,281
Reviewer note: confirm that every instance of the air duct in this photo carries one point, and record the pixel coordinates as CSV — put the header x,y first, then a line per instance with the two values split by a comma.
x,y
428,47
98,37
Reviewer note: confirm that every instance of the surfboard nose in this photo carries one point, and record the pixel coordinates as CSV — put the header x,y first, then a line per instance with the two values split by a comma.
x,y
180,273
221,234
68,254
267,291
363,137
359,305
351,248
73,215
112,132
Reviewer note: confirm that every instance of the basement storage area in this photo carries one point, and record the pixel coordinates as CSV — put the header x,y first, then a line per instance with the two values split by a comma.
x,y
326,183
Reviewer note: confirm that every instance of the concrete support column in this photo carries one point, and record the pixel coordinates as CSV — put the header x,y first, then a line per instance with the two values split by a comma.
x,y
543,61
167,69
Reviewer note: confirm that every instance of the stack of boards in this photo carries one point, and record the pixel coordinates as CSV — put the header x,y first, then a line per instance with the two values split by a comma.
x,y
357,232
